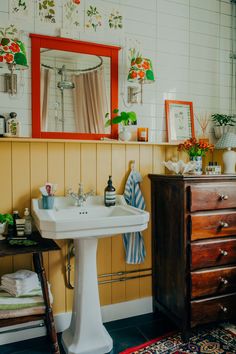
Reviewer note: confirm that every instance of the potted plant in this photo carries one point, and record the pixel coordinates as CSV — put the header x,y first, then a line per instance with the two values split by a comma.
x,y
5,220
223,123
125,119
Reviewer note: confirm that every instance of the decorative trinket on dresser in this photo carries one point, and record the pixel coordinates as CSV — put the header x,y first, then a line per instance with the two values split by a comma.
x,y
13,125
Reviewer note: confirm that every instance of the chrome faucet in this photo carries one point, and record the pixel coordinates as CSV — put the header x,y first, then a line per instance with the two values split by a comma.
x,y
80,197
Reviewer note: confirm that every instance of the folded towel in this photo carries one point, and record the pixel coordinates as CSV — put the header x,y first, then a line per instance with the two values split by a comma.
x,y
19,290
21,277
4,314
32,299
20,282
133,241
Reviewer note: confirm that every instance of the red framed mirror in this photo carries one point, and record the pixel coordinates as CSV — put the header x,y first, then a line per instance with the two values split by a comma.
x,y
62,72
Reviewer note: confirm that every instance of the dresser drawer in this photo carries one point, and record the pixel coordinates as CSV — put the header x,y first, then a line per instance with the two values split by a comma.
x,y
213,282
213,225
211,196
215,253
213,309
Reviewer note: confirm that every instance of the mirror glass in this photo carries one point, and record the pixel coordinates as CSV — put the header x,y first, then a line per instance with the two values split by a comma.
x,y
75,91
74,87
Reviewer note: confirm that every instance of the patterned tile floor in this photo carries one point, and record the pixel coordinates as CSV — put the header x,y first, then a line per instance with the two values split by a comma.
x,y
125,333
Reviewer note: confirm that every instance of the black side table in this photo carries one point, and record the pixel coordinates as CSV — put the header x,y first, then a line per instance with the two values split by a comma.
x,y
43,245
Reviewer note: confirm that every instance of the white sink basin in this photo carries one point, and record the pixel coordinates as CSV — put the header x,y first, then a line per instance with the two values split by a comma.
x,y
86,334
93,219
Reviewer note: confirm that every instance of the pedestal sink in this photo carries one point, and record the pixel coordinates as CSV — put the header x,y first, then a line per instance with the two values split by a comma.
x,y
86,334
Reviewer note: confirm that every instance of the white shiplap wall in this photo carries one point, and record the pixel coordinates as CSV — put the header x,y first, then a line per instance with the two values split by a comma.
x,y
189,42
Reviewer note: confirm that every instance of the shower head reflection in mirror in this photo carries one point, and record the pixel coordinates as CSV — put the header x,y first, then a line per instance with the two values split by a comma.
x,y
74,86
75,91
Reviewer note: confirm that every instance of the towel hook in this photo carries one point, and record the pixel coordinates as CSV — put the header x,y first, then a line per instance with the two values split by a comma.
x,y
132,164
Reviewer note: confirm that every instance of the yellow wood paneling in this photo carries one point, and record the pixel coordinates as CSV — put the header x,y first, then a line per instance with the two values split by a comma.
x,y
56,174
146,158
158,157
89,166
117,253
72,166
104,244
6,263
21,190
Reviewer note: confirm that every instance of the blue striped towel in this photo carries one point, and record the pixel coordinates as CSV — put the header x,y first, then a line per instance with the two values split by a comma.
x,y
133,241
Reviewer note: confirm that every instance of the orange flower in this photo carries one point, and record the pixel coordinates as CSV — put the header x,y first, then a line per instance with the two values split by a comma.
x,y
15,48
146,65
195,148
9,58
133,75
141,74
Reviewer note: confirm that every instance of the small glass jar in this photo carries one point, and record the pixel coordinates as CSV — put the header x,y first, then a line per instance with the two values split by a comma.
x,y
142,134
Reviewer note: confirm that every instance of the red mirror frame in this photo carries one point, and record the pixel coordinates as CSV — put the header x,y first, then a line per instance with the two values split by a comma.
x,y
39,41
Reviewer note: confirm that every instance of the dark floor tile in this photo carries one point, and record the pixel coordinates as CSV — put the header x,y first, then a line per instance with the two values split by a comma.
x,y
156,329
126,333
126,338
33,346
132,321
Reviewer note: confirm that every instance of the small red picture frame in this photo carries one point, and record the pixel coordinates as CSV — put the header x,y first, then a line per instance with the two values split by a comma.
x,y
179,120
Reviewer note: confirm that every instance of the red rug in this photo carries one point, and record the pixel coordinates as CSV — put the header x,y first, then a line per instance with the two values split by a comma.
x,y
208,341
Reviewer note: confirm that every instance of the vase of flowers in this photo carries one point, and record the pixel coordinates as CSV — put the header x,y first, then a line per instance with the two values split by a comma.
x,y
196,150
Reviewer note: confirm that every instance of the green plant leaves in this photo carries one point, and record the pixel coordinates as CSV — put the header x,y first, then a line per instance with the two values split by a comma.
x,y
20,59
223,119
6,218
125,118
5,41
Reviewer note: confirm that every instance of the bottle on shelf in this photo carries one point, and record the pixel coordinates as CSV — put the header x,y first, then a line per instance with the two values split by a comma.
x,y
15,216
28,222
109,194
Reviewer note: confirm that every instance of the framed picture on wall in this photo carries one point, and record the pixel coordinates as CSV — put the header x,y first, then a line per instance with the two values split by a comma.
x,y
179,120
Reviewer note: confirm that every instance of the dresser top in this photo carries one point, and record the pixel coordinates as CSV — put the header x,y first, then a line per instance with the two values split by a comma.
x,y
189,177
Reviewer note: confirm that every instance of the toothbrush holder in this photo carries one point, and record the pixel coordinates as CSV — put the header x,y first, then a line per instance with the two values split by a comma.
x,y
48,201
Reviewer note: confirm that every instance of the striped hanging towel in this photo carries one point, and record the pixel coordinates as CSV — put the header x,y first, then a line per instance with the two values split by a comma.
x,y
133,241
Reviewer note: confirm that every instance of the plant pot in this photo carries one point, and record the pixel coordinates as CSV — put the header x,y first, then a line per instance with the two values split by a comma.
x,y
198,164
125,134
220,130
2,230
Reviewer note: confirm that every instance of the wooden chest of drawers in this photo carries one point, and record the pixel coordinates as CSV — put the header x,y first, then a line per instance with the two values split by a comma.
x,y
194,248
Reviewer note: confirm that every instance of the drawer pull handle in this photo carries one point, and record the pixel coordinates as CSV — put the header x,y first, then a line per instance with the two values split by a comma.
x,y
224,309
224,224
223,253
223,281
223,196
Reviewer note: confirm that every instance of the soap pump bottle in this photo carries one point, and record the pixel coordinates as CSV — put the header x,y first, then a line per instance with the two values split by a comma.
x,y
109,194
28,222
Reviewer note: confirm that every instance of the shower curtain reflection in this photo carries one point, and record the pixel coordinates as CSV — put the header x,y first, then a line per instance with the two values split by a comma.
x,y
91,106
81,95
45,77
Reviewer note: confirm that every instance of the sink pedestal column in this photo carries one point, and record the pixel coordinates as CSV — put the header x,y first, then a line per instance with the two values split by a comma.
x,y
86,334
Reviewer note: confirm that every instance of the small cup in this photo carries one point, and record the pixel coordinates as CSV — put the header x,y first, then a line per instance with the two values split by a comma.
x,y
48,201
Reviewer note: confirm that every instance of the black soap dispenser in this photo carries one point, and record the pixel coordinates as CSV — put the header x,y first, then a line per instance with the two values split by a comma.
x,y
109,194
